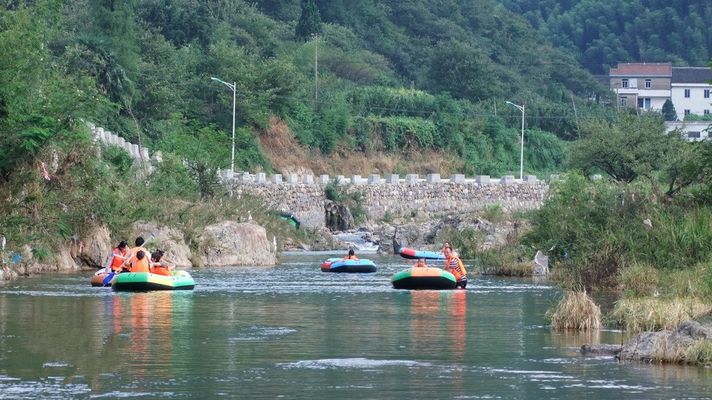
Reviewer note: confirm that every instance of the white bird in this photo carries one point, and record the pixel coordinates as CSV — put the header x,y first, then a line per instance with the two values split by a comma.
x,y
249,216
3,242
274,243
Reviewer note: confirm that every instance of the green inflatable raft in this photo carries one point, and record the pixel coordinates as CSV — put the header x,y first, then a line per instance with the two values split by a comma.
x,y
426,278
144,281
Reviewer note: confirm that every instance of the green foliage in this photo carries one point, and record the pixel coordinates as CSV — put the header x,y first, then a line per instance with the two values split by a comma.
x,y
639,280
310,22
625,149
669,113
593,228
601,34
119,159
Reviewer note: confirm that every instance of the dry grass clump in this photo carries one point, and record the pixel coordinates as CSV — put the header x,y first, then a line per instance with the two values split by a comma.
x,y
639,279
700,353
576,311
638,315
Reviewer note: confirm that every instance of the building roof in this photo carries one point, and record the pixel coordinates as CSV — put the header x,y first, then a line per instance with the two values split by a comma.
x,y
691,75
642,69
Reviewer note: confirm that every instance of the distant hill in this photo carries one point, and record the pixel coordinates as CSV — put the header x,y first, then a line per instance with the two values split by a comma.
x,y
602,33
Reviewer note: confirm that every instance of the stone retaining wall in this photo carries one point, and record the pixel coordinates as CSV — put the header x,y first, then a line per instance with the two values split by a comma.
x,y
304,197
432,195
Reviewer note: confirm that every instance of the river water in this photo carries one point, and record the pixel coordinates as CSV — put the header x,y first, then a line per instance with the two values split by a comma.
x,y
294,332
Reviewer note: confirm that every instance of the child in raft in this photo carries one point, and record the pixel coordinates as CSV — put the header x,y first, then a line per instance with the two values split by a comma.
x,y
351,256
160,266
421,263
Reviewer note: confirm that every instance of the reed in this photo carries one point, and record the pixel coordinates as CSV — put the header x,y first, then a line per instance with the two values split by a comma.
x,y
576,311
652,314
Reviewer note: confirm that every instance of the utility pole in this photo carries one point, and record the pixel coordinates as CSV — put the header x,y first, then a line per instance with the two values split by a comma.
x,y
316,70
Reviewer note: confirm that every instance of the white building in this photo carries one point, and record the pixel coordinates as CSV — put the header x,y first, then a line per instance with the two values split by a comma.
x,y
694,131
691,91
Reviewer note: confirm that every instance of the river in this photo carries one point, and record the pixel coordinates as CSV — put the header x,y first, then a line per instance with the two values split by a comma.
x,y
294,332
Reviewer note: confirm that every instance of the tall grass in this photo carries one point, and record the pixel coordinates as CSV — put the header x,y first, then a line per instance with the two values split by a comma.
x,y
652,314
700,352
576,311
639,279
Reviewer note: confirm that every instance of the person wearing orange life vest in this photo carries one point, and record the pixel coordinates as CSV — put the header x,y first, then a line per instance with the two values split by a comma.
x,y
118,257
115,262
454,265
160,266
140,262
351,256
134,251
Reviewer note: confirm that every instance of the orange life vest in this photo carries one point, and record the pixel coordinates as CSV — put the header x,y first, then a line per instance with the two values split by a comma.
x,y
139,265
134,251
118,258
160,270
455,266
350,258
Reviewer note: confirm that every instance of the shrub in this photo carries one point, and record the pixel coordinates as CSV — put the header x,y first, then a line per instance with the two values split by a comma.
x,y
576,311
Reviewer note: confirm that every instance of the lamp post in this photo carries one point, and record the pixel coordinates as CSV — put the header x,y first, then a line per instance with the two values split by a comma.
x,y
521,151
232,157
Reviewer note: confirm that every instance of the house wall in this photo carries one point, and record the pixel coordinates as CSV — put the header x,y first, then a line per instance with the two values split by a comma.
x,y
696,103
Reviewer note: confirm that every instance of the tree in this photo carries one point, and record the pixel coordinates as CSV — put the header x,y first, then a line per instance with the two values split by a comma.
x,y
625,149
310,22
669,113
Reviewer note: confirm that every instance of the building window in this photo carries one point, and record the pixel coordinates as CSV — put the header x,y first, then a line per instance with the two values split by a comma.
x,y
646,104
707,93
687,112
624,83
648,83
687,93
693,135
624,101
706,112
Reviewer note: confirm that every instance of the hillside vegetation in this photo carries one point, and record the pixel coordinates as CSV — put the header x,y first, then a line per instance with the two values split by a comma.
x,y
394,79
602,33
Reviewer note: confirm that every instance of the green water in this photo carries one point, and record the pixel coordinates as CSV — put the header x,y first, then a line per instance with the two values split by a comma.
x,y
295,332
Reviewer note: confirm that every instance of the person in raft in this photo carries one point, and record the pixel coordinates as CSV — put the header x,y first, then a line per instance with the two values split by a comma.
x,y
134,252
454,265
351,256
140,262
421,263
159,265
114,262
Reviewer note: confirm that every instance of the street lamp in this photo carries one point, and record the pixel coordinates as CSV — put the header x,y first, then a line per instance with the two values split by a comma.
x,y
232,157
521,151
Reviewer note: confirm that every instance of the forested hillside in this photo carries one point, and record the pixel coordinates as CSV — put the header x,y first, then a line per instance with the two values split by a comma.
x,y
347,77
602,33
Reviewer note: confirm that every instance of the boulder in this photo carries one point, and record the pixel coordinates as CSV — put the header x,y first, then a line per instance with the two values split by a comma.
x,y
159,237
231,243
93,248
61,261
665,346
337,216
600,349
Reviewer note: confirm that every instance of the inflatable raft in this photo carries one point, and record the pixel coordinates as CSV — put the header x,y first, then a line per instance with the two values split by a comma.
x,y
424,278
144,281
341,265
416,254
97,280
